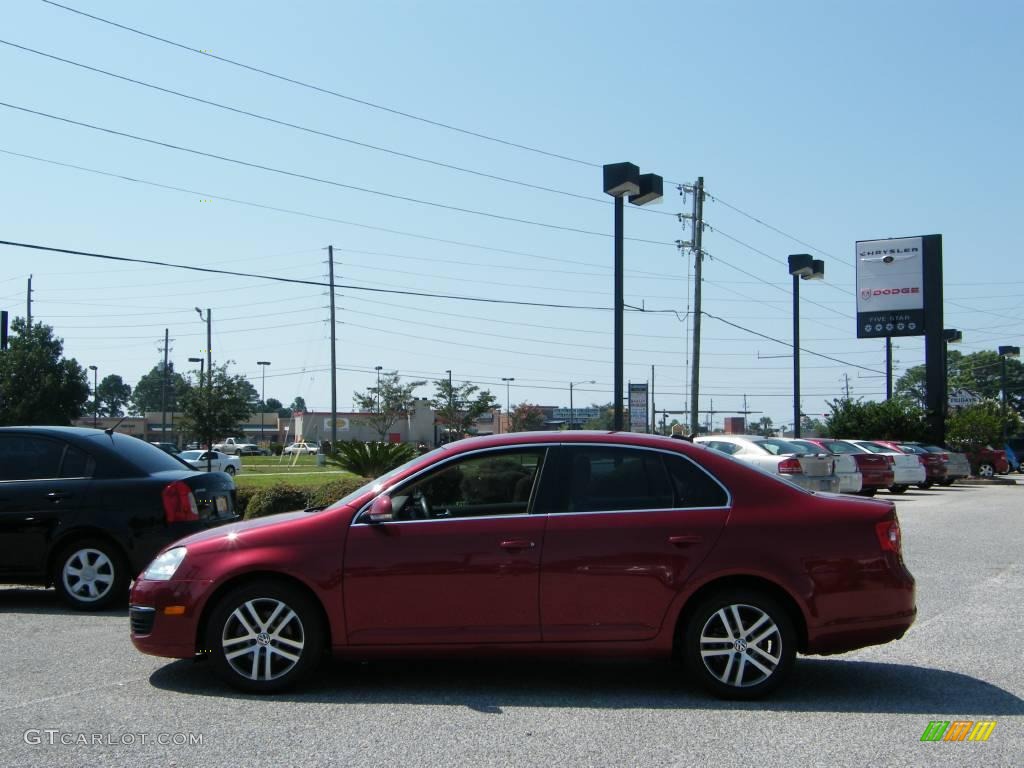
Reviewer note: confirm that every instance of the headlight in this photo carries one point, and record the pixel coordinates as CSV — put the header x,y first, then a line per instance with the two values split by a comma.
x,y
165,565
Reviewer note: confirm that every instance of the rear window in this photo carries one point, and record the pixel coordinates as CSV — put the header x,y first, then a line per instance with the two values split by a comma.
x,y
141,454
777,447
840,447
876,448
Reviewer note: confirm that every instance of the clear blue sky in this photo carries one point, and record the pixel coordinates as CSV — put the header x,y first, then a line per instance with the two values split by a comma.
x,y
832,122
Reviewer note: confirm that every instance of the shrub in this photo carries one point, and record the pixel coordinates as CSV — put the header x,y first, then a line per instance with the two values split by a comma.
x,y
330,492
276,448
242,497
275,499
370,459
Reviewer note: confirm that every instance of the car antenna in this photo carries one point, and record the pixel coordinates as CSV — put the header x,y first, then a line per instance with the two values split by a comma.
x,y
110,430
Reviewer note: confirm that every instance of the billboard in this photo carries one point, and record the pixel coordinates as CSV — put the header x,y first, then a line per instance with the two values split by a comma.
x,y
890,287
638,407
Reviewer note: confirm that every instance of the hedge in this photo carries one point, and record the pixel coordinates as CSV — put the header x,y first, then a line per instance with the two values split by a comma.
x,y
282,497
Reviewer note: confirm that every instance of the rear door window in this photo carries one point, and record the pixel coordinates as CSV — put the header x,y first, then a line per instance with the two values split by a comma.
x,y
610,479
27,457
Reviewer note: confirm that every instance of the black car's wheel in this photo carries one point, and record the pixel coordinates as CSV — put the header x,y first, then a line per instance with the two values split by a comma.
x,y
947,482
739,644
265,636
91,575
986,470
230,470
925,486
897,489
867,492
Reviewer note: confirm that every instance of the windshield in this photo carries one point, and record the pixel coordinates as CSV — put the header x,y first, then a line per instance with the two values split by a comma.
x,y
190,455
379,483
912,449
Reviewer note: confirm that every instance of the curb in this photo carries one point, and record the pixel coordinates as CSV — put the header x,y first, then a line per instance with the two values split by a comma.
x,y
986,481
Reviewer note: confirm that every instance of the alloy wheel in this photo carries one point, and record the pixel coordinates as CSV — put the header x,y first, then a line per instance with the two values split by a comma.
x,y
263,639
986,470
740,645
88,575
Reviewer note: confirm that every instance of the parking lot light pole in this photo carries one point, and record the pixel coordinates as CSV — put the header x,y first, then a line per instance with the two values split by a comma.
x,y
1005,352
572,410
802,267
96,396
263,395
209,383
623,180
378,369
508,403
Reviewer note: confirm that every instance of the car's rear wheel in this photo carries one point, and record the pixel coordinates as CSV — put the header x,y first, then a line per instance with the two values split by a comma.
x,y
265,636
947,482
91,575
986,470
739,644
867,492
925,486
230,470
897,489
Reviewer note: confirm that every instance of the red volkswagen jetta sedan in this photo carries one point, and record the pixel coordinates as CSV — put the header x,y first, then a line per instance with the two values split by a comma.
x,y
541,543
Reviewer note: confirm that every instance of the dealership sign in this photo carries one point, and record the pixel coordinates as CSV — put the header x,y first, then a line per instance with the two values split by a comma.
x,y
890,287
638,407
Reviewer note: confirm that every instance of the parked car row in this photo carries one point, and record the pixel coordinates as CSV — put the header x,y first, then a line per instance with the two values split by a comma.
x,y
855,466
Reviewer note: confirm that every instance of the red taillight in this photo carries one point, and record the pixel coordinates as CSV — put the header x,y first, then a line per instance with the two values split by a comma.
x,y
922,461
179,503
889,537
944,457
790,466
890,458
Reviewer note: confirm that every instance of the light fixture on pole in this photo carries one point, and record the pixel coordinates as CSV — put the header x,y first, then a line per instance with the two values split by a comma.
x,y
623,180
1005,352
95,397
802,266
508,403
572,409
378,368
263,395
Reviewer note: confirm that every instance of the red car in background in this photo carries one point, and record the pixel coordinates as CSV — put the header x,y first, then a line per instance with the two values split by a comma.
x,y
563,544
988,461
874,468
934,465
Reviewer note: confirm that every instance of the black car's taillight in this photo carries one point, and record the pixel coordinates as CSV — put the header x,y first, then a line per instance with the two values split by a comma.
x,y
179,503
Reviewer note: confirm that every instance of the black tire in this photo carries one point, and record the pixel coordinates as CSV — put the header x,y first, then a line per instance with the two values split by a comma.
x,y
925,486
869,492
898,489
230,470
986,470
294,646
90,575
947,482
729,672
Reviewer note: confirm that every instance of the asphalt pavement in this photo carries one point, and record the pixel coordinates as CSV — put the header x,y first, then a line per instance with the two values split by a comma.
x,y
74,692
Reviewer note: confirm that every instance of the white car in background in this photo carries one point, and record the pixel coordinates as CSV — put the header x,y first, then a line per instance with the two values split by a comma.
x,y
907,468
219,462
301,448
850,478
772,454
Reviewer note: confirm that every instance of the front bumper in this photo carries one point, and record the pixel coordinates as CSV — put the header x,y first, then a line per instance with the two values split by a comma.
x,y
165,616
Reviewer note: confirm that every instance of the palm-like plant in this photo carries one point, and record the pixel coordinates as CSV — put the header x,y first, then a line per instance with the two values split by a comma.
x,y
369,459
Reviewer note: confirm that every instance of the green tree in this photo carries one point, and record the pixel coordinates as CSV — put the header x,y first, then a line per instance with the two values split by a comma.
x,y
298,405
38,385
273,405
459,405
763,427
526,417
113,396
980,424
147,396
385,404
606,418
213,413
896,419
978,372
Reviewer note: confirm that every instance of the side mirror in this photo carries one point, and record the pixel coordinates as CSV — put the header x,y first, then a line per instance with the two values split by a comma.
x,y
380,511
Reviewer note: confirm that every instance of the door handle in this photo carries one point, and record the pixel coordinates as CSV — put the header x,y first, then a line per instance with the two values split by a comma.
x,y
58,495
684,541
517,544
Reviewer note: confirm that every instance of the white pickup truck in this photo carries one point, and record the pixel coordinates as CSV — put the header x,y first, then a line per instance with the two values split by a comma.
x,y
237,446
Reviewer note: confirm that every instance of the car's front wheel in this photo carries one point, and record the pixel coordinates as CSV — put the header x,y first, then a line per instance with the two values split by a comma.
x,y
867,492
265,636
986,470
897,489
91,575
739,643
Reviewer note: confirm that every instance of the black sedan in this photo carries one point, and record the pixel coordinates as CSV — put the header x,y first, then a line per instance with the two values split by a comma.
x,y
85,510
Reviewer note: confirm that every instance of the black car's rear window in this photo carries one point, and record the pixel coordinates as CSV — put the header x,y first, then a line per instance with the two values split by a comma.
x,y
140,454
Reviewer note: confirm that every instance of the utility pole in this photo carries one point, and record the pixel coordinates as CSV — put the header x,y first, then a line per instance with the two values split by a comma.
x,y
28,306
334,365
654,417
888,367
846,376
698,259
163,391
209,384
3,331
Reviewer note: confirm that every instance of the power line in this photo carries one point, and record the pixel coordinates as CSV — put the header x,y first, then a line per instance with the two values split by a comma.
x,y
325,134
318,180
